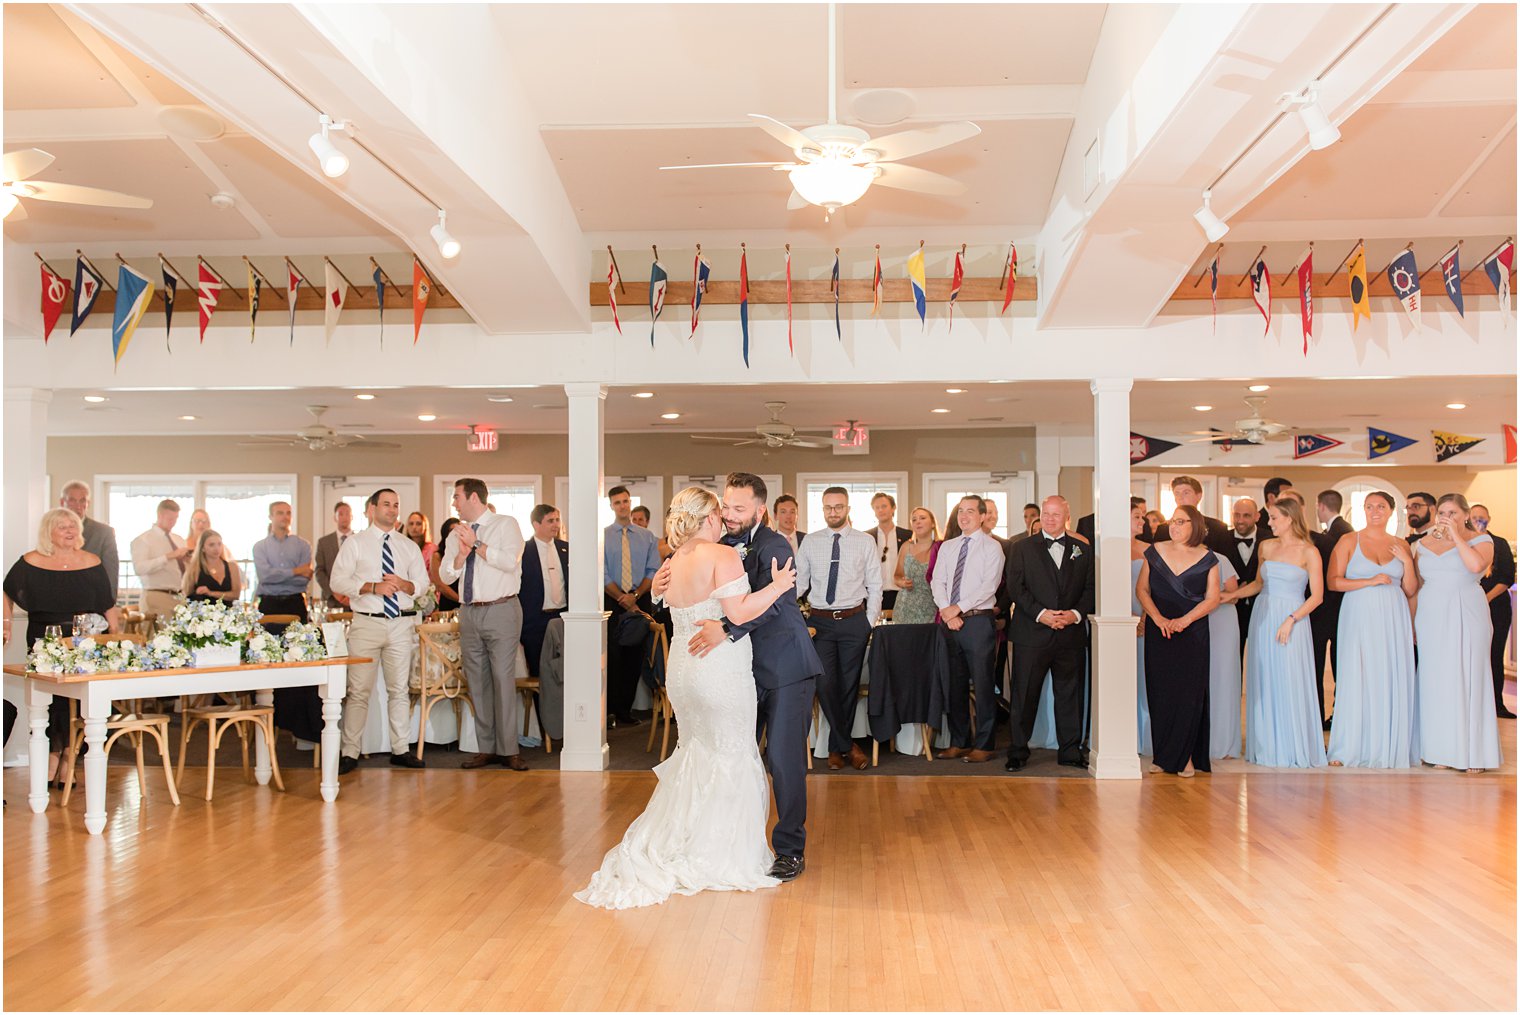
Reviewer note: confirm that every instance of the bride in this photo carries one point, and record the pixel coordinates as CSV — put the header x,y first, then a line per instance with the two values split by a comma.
x,y
704,827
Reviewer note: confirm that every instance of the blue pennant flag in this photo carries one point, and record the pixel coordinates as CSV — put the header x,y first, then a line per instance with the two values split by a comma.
x,y
87,286
657,281
834,285
1306,444
133,293
379,278
1384,442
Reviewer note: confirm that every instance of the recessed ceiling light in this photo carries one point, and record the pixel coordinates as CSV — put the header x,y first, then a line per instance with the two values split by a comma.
x,y
1456,405
94,398
643,394
1202,408
939,410
189,419
670,415
1259,387
955,391
426,417
365,398
498,398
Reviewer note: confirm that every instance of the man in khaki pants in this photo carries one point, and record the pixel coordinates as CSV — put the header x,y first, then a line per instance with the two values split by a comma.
x,y
159,558
380,571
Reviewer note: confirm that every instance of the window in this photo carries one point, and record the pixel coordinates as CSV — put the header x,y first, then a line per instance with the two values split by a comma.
x,y
861,486
643,491
513,496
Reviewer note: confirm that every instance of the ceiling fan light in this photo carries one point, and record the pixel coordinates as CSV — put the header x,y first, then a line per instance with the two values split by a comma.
x,y
831,184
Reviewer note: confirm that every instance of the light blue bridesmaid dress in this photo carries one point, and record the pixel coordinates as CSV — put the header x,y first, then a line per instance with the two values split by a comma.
x,y
1458,725
1283,727
1375,705
1142,707
1224,673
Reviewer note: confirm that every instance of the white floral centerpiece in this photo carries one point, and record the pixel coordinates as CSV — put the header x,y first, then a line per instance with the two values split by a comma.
x,y
264,647
426,602
303,643
213,632
55,655
164,653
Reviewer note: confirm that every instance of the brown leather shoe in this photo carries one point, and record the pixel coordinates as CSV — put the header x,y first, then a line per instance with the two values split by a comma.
x,y
836,761
514,762
858,759
950,752
479,761
977,756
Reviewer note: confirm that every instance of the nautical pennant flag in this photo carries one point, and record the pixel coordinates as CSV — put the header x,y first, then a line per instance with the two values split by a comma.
x,y
744,300
877,284
133,293
87,286
1384,442
337,295
916,276
1509,444
1142,448
789,347
658,279
1306,295
1013,276
1404,276
422,288
55,293
254,285
292,290
612,284
170,288
834,285
208,290
1214,290
1261,292
1306,444
1497,268
700,270
1451,277
379,278
1449,445
956,276
1361,306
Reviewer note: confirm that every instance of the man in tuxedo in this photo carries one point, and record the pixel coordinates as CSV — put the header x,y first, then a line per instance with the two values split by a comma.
x,y
1326,616
785,663
1420,509
1087,525
545,562
1496,585
98,539
1269,491
327,555
1187,491
1050,579
1243,550
785,511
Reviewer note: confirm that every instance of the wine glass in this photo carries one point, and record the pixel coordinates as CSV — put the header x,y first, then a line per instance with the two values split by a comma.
x,y
53,632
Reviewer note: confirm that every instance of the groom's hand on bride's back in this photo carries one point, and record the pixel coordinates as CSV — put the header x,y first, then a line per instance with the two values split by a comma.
x,y
708,637
783,574
661,581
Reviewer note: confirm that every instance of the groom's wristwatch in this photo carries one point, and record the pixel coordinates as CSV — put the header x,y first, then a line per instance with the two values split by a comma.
x,y
728,630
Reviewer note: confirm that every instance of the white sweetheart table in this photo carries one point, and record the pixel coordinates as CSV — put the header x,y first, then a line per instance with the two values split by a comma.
x,y
96,691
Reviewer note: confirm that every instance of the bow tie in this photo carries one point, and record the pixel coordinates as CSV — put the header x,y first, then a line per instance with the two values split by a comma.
x,y
1055,541
742,539
1245,540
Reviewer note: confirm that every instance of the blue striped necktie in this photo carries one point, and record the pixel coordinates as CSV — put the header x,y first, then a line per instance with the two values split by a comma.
x,y
960,569
388,566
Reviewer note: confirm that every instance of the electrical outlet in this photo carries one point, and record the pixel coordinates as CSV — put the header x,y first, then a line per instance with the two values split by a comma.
x,y
580,713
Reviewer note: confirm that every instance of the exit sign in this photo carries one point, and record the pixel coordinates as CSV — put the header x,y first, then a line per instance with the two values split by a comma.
x,y
481,440
852,440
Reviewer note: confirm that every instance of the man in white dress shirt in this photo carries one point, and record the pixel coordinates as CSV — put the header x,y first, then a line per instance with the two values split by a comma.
x,y
380,571
785,511
840,574
966,577
888,536
485,556
159,557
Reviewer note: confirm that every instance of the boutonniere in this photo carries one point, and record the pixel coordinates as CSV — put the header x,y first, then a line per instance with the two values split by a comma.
x,y
1076,551
743,549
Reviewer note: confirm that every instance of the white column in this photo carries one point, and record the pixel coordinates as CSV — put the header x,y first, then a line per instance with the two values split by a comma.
x,y
1114,735
1047,468
26,498
585,748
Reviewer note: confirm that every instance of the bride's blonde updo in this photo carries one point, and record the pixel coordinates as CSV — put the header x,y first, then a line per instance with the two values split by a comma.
x,y
689,510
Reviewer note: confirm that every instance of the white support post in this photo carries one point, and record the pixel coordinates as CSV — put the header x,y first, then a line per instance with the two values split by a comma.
x,y
1114,734
585,748
26,498
1047,468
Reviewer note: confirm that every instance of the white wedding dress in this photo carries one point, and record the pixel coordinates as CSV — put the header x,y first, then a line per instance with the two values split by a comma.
x,y
704,827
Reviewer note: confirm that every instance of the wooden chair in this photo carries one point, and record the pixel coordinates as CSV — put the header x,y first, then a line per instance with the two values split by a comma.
x,y
130,722
338,618
445,683
660,642
236,712
527,690
280,619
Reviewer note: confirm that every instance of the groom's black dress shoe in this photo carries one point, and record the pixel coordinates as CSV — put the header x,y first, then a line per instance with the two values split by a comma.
x,y
786,867
1015,764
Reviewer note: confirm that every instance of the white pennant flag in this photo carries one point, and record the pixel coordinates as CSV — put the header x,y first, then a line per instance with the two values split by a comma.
x,y
337,294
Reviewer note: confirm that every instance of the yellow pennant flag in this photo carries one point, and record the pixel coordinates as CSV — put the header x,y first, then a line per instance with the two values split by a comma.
x,y
1360,306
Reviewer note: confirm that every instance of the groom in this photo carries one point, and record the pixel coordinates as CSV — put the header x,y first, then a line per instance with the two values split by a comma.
x,y
785,664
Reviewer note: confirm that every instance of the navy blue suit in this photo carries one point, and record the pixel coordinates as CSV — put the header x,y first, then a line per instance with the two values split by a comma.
x,y
786,670
534,620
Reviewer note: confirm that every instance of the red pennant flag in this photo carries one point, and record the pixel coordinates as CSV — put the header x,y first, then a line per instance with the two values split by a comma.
x,y
55,293
955,286
208,288
1306,296
1013,276
789,299
421,290
612,284
1509,444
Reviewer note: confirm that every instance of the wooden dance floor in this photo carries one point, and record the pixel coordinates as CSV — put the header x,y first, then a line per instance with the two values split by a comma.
x,y
451,890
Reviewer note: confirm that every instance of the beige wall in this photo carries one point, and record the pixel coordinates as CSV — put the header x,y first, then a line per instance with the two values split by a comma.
x,y
656,454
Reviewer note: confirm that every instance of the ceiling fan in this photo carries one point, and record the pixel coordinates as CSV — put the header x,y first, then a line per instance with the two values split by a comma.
x,y
1256,428
773,434
318,437
17,169
837,164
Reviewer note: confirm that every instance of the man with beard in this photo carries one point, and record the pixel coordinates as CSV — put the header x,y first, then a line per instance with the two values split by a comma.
x,y
1420,508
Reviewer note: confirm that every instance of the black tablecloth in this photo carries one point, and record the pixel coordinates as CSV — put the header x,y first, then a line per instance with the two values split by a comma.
x,y
910,671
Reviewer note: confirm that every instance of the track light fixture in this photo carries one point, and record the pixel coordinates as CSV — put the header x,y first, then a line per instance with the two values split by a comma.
x,y
1213,226
333,162
1322,133
447,245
